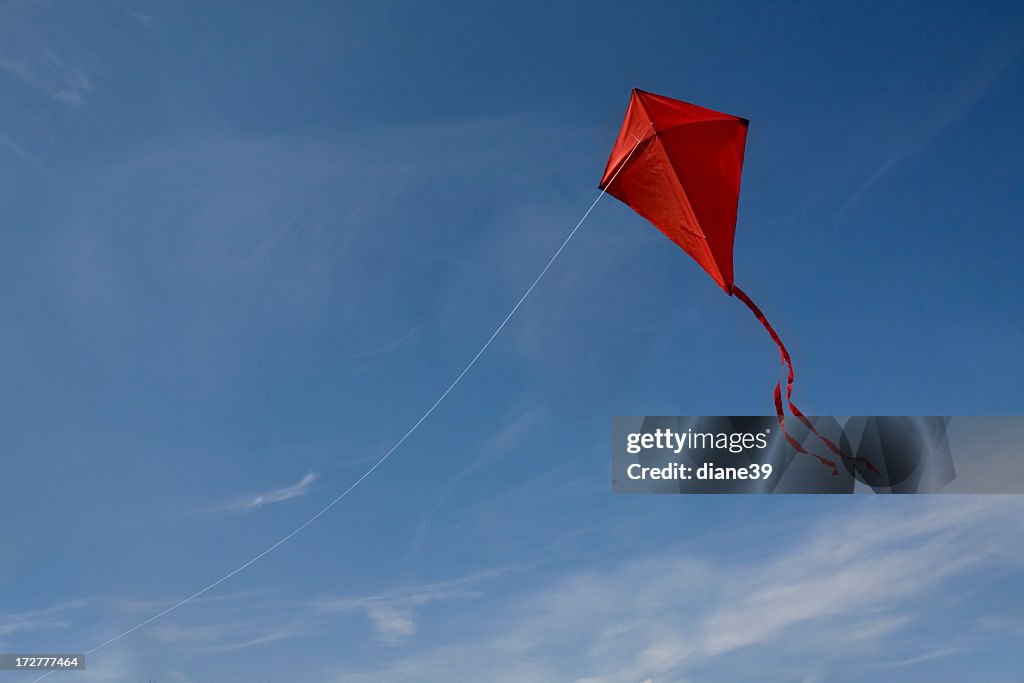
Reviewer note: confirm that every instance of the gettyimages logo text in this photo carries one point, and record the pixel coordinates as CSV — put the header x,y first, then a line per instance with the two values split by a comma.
x,y
666,439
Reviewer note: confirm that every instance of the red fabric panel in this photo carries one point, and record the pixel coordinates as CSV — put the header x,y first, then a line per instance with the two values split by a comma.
x,y
687,180
652,189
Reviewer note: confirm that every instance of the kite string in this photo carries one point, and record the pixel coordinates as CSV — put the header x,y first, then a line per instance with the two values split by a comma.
x,y
383,458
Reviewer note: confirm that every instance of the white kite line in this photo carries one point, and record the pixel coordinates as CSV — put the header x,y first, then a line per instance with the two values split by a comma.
x,y
383,458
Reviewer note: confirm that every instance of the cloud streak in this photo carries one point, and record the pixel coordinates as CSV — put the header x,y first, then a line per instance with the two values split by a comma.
x,y
394,615
239,622
959,100
256,501
842,598
47,73
19,151
57,616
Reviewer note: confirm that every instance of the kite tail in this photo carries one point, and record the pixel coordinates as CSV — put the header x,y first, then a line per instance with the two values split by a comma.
x,y
780,412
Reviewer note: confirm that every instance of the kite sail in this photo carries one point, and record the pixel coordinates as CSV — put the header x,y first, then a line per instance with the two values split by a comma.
x,y
685,180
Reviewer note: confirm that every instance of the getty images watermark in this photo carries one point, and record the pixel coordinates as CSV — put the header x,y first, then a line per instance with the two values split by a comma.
x,y
881,454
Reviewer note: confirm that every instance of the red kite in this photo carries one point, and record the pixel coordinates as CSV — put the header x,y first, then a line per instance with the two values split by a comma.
x,y
685,180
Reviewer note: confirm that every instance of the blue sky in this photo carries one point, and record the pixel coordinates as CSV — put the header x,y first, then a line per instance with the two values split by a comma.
x,y
245,246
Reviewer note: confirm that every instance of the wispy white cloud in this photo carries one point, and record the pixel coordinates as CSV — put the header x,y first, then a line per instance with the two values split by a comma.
x,y
955,103
391,622
46,71
137,605
247,619
847,593
239,621
515,429
19,151
255,501
226,636
144,19
394,615
114,665
58,616
389,347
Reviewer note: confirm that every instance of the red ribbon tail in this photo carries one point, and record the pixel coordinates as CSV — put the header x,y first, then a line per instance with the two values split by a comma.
x,y
828,442
790,376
